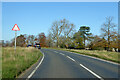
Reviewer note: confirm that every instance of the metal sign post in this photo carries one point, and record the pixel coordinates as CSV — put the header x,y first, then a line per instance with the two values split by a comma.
x,y
15,28
15,39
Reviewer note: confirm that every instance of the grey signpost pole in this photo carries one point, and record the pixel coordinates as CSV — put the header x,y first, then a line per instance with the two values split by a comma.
x,y
15,39
15,28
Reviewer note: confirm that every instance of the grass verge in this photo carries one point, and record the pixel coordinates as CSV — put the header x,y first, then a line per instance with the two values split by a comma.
x,y
14,63
106,55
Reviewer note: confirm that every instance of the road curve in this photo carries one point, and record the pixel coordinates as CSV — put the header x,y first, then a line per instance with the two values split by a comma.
x,y
63,64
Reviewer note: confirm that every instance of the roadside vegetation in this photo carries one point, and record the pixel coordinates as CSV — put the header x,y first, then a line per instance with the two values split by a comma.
x,y
110,56
14,63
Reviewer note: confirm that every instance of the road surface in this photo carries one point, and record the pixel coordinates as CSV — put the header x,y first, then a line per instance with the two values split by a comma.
x,y
63,64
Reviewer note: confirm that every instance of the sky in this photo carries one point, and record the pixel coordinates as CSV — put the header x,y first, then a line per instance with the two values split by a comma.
x,y
60,0
36,17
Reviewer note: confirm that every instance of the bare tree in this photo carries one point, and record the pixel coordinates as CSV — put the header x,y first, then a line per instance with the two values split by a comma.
x,y
108,29
61,28
68,31
56,31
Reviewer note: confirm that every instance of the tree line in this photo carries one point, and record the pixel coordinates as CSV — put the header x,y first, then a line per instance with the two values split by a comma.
x,y
62,34
23,40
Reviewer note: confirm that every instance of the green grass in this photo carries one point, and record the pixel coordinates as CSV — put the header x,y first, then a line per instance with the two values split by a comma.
x,y
106,55
14,64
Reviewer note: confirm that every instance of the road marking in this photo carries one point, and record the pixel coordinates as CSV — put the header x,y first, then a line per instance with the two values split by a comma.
x,y
62,54
71,58
92,72
56,51
35,68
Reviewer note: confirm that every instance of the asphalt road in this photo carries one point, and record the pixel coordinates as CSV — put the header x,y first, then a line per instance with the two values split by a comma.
x,y
63,64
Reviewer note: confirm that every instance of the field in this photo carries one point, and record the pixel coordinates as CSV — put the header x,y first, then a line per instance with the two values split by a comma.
x,y
14,63
106,55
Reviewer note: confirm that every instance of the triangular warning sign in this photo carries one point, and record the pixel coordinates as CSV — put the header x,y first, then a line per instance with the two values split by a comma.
x,y
15,28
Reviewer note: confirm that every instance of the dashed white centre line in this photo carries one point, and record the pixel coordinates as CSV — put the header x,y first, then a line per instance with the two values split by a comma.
x,y
71,58
56,51
83,67
91,72
62,54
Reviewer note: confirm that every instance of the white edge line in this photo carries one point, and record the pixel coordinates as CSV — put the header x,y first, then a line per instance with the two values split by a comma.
x,y
36,67
71,58
95,58
91,72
